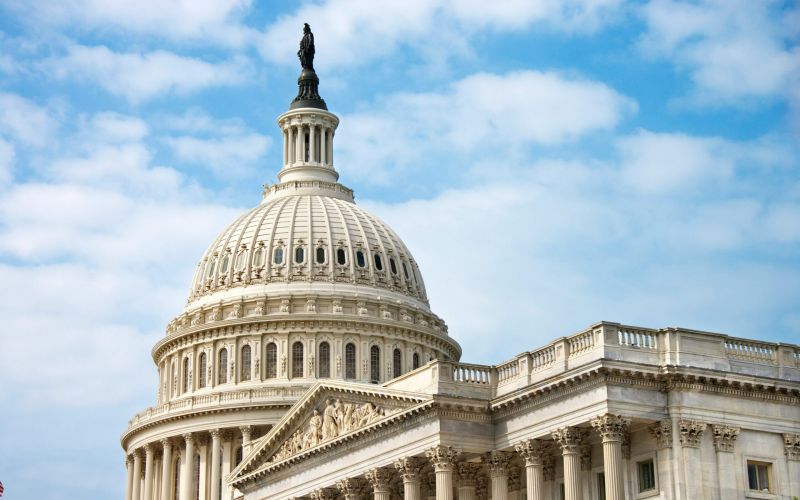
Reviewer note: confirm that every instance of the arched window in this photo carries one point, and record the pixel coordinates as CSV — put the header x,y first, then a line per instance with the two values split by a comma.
x,y
415,361
244,366
201,370
360,259
324,360
222,367
378,262
350,361
393,265
341,256
185,374
277,256
299,255
272,360
297,359
320,255
397,367
374,364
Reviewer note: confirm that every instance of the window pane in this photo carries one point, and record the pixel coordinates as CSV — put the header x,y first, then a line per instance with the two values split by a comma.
x,y
763,479
752,479
397,363
647,479
341,259
245,363
378,262
393,265
375,364
278,256
299,255
350,361
324,360
297,359
272,360
320,255
258,258
415,361
405,271
201,371
222,367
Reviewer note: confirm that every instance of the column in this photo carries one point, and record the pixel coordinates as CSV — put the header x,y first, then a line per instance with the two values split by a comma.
x,y
148,471
290,146
166,469
349,488
443,459
202,483
379,480
791,449
467,477
569,439
137,475
187,474
586,470
285,137
301,139
549,475
612,429
312,147
724,441
534,451
129,477
691,436
330,148
409,468
215,464
497,463
662,433
323,494
323,146
247,432
227,467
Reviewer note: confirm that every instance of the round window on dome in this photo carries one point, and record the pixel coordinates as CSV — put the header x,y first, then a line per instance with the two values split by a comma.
x,y
341,256
320,255
393,265
299,255
378,262
360,259
277,256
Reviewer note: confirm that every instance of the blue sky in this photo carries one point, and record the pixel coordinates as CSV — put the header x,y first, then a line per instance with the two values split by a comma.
x,y
549,163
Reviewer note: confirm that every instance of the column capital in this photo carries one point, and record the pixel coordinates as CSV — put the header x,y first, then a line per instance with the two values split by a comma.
x,y
586,457
533,451
442,457
724,437
149,449
497,462
569,439
128,460
691,432
216,433
188,437
350,486
379,478
136,454
323,494
611,427
409,467
246,430
468,473
791,446
662,432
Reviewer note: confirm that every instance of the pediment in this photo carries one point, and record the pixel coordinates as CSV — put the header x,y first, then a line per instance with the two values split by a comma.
x,y
330,412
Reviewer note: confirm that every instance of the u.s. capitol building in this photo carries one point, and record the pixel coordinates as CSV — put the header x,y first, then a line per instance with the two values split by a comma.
x,y
308,364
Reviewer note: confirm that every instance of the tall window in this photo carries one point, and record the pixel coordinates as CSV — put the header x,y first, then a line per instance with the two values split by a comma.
x,y
245,364
185,374
201,370
299,255
320,255
378,262
272,360
297,359
324,360
350,361
360,259
277,256
341,257
222,367
374,364
415,361
397,367
393,265
258,257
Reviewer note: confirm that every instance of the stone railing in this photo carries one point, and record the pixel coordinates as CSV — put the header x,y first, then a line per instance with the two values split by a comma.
x,y
609,341
266,395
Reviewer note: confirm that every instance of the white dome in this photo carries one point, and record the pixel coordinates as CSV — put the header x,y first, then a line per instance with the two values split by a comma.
x,y
307,242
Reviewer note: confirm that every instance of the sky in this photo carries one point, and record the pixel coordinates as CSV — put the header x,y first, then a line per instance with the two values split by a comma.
x,y
549,163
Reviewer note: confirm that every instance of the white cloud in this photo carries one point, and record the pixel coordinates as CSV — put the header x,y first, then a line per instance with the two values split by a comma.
x,y
483,113
197,20
732,48
7,155
223,155
355,32
139,77
26,121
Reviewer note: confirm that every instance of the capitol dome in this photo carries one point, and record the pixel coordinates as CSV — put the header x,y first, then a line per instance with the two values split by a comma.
x,y
306,286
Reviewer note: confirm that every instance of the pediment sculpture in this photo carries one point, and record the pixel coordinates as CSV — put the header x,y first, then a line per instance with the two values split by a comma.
x,y
333,419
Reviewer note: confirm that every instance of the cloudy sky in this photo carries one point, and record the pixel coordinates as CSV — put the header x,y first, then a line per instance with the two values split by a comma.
x,y
550,163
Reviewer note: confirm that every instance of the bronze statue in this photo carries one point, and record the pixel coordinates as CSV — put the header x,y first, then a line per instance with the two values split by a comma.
x,y
306,52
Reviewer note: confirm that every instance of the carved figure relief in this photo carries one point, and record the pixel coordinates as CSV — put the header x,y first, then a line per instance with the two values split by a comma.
x,y
336,418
